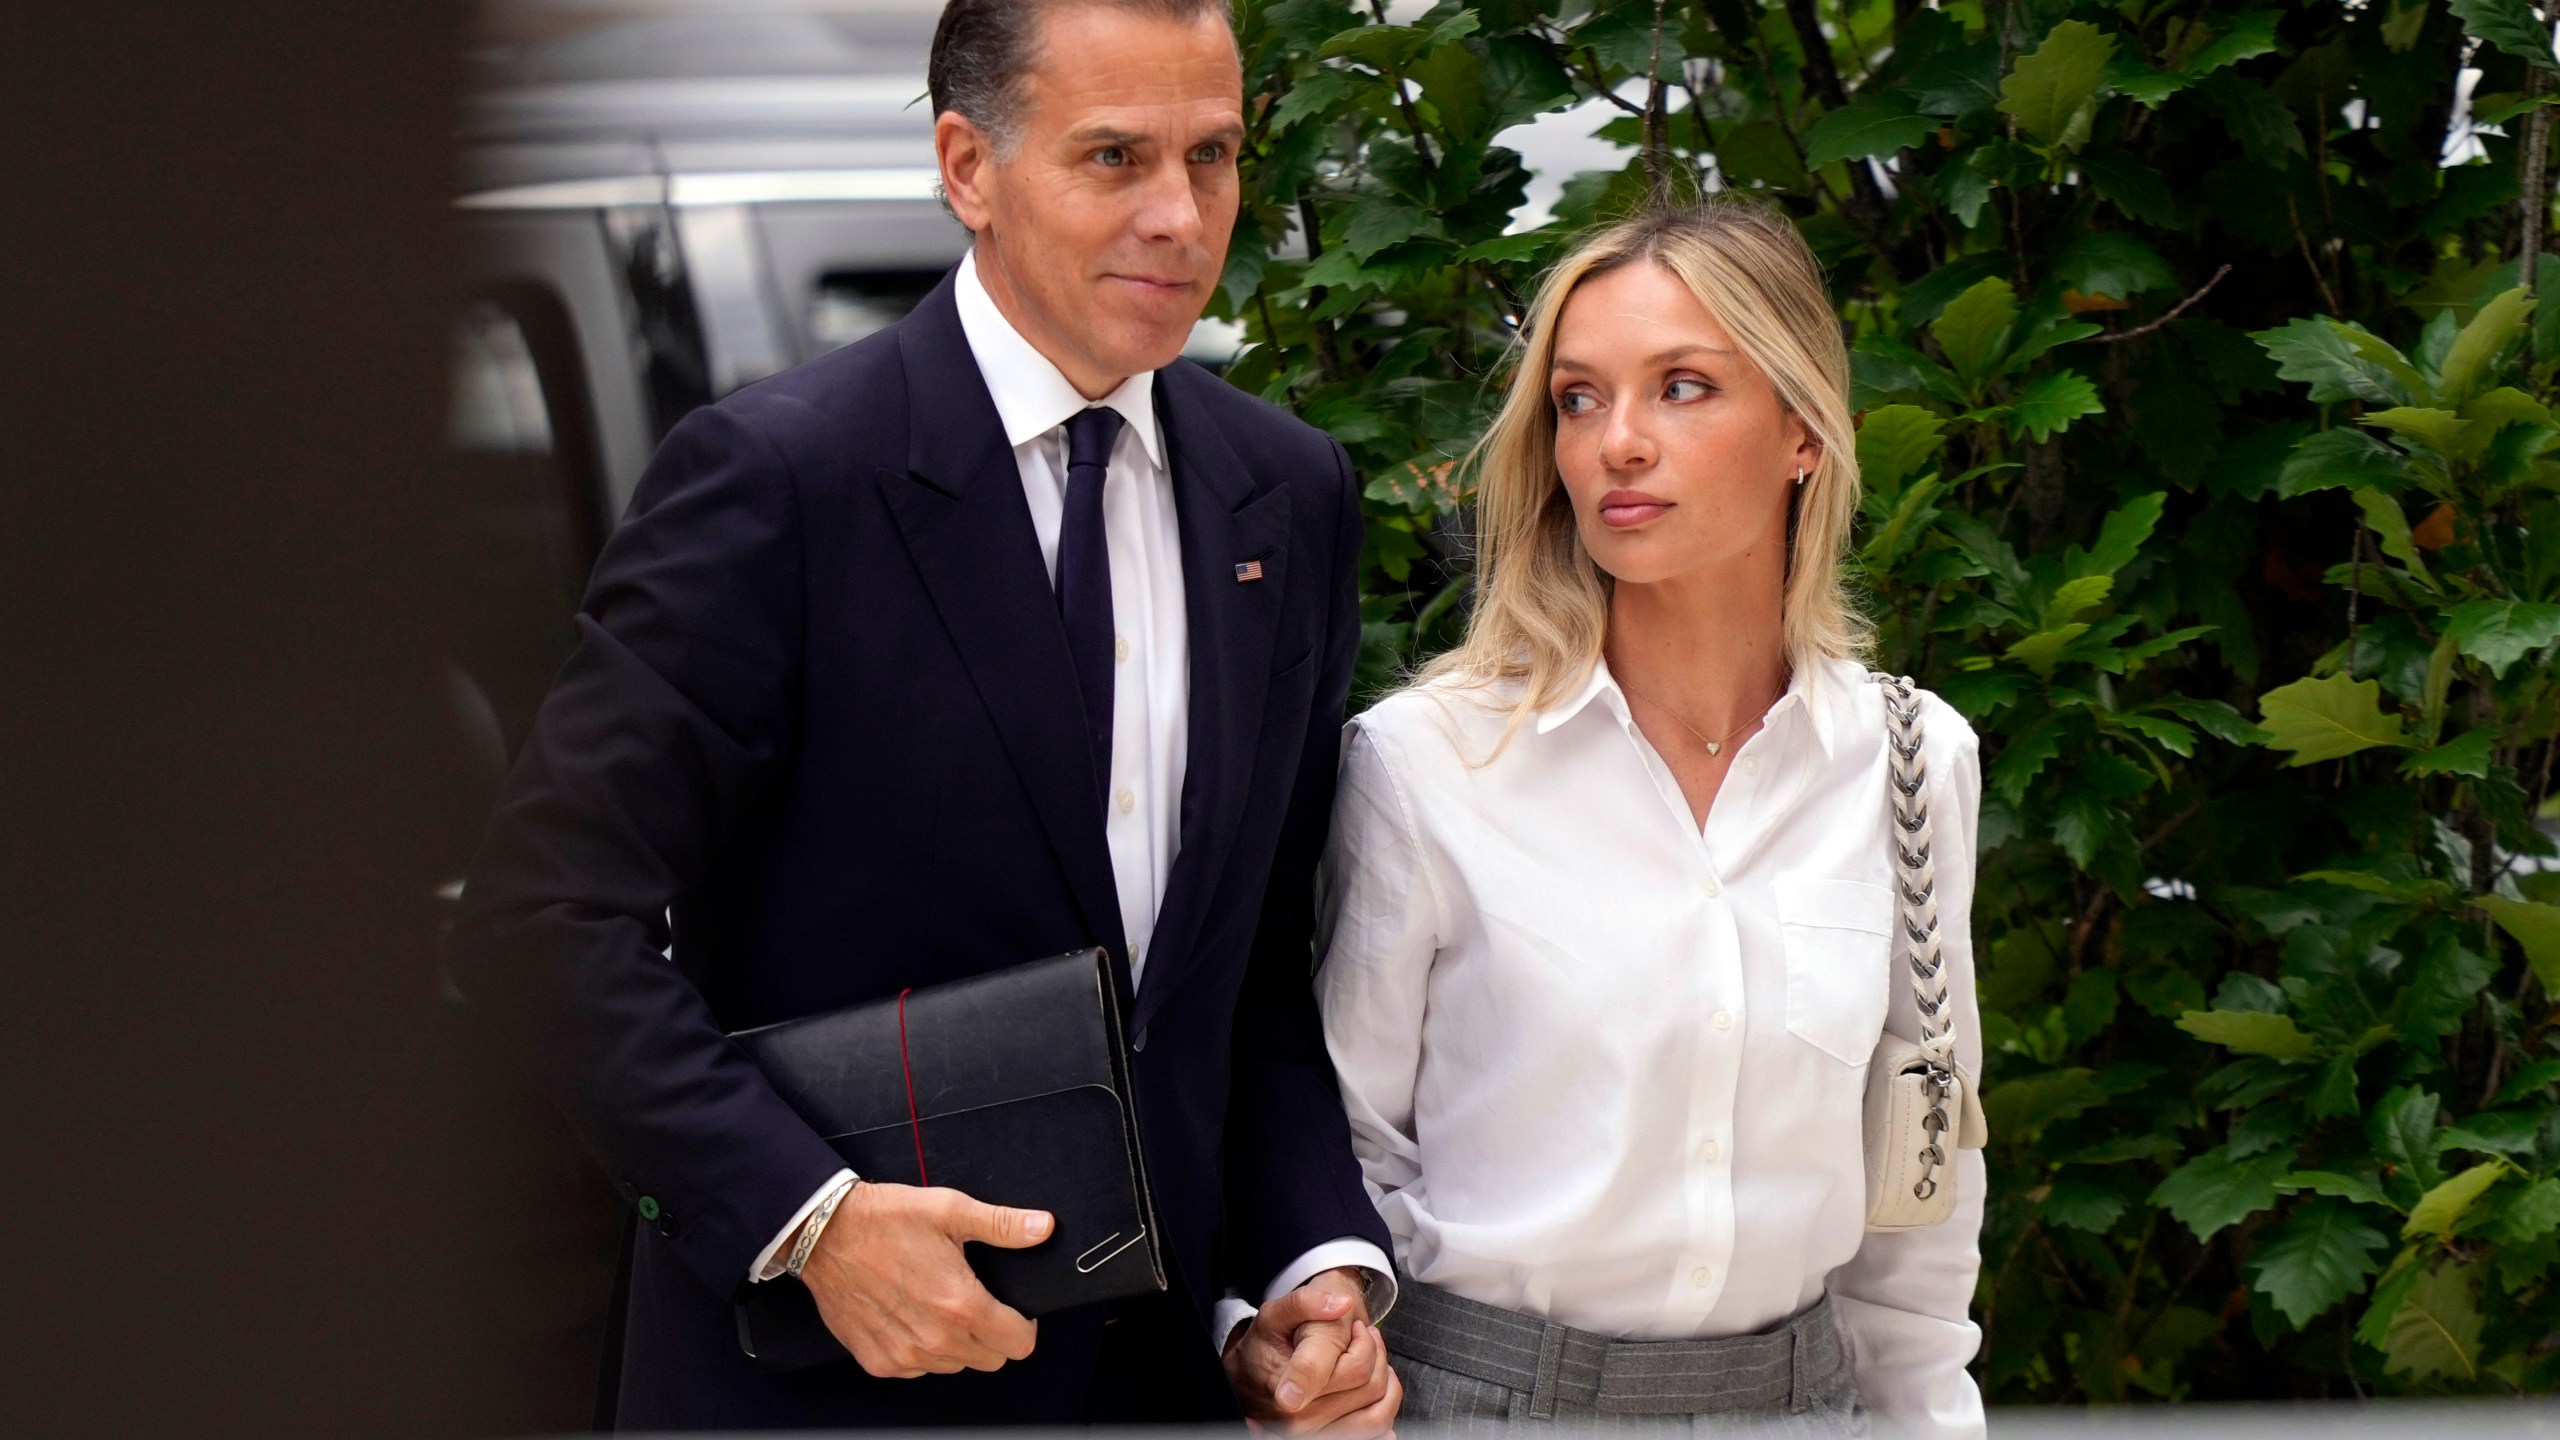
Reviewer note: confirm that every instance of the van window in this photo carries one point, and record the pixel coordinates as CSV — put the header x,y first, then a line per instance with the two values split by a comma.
x,y
666,333
527,498
851,304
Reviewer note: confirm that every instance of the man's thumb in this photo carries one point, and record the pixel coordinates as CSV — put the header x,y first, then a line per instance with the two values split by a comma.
x,y
1003,1225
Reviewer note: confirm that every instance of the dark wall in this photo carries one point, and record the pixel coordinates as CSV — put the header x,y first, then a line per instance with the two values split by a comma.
x,y
230,1201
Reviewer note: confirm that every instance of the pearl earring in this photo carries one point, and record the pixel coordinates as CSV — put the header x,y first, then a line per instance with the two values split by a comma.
x,y
1799,474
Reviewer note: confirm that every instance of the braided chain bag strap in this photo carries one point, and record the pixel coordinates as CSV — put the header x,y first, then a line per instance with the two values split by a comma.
x,y
1916,1092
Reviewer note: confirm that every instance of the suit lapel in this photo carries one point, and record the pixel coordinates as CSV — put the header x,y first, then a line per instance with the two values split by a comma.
x,y
1224,522
961,513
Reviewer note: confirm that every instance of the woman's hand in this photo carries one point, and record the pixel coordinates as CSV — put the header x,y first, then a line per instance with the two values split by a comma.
x,y
1311,1362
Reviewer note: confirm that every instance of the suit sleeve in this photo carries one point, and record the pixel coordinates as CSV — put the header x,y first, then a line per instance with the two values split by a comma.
x,y
675,713
1291,1181
1906,1297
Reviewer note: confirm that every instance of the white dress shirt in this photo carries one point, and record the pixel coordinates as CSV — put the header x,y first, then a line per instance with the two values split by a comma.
x,y
1151,650
1608,1067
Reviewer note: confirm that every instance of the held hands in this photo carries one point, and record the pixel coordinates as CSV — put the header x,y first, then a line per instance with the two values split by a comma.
x,y
1310,1361
892,1285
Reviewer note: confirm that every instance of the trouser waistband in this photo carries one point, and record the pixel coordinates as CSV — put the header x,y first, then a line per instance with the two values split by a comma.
x,y
1780,1368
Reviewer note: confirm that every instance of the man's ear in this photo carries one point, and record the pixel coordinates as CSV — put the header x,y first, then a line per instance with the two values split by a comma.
x,y
967,156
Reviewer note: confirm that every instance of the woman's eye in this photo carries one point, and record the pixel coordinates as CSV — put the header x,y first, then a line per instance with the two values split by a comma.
x,y
1573,402
1686,388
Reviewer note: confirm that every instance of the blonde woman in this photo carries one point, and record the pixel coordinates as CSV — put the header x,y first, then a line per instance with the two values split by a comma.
x,y
1606,908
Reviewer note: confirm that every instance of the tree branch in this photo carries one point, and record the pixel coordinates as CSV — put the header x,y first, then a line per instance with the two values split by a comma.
x,y
1656,164
2132,1287
2535,200
2119,336
1848,212
1328,353
2294,212
1822,77
2204,1253
1404,102
1588,71
1821,71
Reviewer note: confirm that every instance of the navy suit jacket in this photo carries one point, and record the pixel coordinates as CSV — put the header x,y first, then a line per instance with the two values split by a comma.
x,y
822,724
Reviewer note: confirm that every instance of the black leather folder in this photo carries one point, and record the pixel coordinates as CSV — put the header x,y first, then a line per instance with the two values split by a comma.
x,y
1020,1096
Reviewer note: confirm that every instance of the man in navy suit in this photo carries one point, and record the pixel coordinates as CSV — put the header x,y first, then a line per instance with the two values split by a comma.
x,y
999,634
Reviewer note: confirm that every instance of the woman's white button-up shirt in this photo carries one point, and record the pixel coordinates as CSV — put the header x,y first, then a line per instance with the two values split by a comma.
x,y
1607,1067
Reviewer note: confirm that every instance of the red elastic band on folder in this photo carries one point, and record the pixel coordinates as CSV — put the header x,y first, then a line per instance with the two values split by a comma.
x,y
914,1122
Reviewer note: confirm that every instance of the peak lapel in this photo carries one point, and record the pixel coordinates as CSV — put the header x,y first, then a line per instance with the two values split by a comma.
x,y
961,513
1224,523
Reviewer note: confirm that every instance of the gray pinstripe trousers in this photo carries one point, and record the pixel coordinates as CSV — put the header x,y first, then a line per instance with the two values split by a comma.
x,y
1468,1366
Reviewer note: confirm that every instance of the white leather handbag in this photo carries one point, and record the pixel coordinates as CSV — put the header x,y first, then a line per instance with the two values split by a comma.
x,y
1916,1092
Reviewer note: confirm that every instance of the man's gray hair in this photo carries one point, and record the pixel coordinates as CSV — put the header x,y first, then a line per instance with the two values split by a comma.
x,y
983,50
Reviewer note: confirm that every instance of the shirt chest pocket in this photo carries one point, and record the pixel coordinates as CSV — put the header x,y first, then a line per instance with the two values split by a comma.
x,y
1838,944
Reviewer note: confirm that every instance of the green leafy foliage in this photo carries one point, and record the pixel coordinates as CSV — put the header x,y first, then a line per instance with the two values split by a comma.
x,y
2045,89
2321,1255
2511,26
2328,717
2536,927
2248,1032
2188,398
2434,1330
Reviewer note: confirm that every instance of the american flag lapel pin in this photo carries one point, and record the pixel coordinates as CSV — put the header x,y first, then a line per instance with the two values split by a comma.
x,y
1249,570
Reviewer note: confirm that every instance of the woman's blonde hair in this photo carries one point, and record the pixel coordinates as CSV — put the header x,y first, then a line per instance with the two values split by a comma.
x,y
1541,603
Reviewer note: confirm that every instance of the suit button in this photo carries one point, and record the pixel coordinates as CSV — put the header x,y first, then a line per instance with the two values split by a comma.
x,y
649,1209
1139,1040
668,1225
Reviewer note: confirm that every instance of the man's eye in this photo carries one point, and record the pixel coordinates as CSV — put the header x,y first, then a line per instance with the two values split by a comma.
x,y
1112,155
1209,154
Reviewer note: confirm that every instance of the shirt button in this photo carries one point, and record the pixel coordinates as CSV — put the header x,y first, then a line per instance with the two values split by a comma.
x,y
1724,1019
1119,647
1713,887
1701,1277
1127,801
1711,1152
1750,764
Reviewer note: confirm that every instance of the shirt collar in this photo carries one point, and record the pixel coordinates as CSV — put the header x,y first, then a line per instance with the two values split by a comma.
x,y
1031,397
1812,689
1599,681
1815,690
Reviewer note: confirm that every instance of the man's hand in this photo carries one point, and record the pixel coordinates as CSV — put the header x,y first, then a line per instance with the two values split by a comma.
x,y
1311,1361
891,1282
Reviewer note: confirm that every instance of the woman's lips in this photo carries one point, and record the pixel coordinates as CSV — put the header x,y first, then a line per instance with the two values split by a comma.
x,y
1620,509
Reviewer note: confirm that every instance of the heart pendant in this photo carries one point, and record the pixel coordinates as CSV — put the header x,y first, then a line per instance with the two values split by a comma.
x,y
1715,747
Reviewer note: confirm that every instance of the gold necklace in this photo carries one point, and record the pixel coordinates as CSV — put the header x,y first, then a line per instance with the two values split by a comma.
x,y
1716,747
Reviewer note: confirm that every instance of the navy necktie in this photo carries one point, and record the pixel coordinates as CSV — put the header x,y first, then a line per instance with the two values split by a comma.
x,y
1084,575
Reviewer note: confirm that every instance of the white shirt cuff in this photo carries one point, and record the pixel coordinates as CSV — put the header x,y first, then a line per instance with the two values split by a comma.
x,y
1232,1310
1332,1255
768,1262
